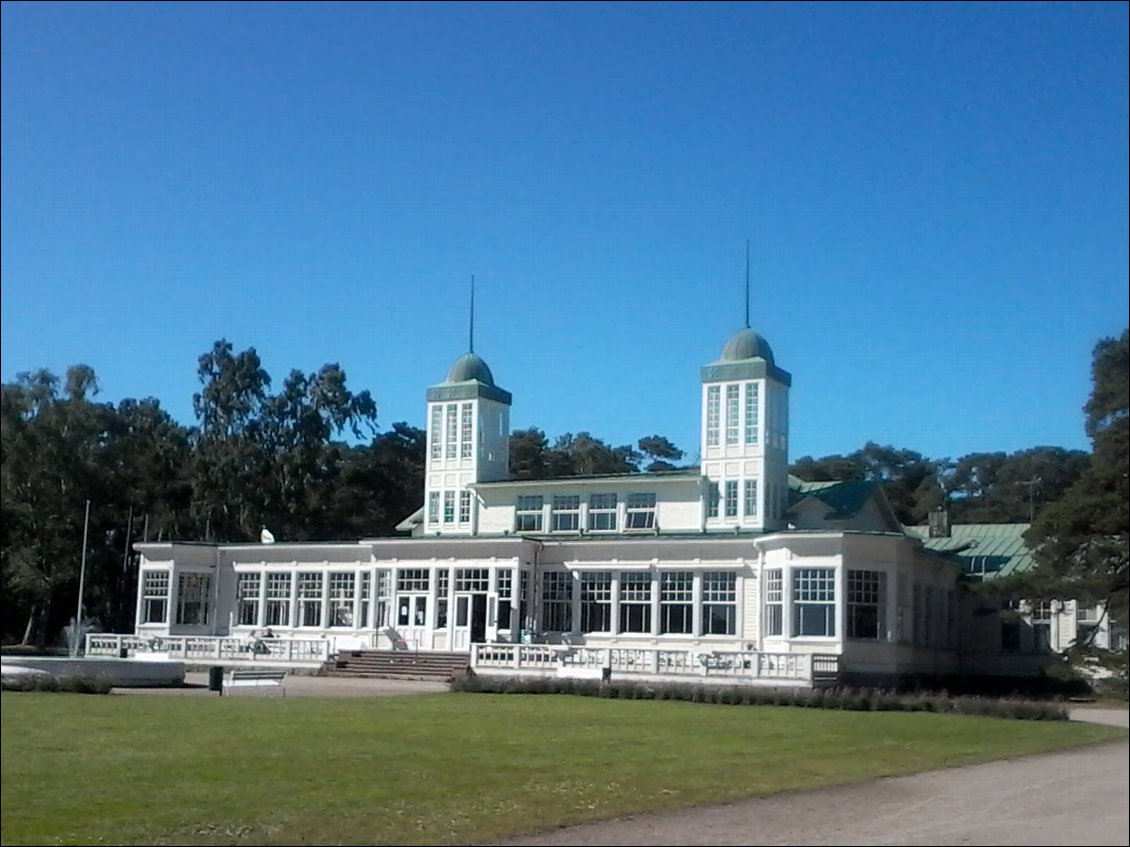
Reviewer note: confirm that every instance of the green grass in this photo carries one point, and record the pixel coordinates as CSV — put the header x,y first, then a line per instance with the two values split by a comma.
x,y
448,768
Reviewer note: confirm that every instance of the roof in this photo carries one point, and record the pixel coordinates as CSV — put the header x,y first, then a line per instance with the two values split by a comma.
x,y
470,367
683,474
746,344
845,499
983,549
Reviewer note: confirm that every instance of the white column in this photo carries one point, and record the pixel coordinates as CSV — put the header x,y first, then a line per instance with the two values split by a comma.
x,y
324,617
292,616
696,608
786,600
261,613
614,622
656,583
516,622
841,599
575,602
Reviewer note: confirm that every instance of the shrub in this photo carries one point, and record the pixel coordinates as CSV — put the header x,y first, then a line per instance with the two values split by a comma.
x,y
64,684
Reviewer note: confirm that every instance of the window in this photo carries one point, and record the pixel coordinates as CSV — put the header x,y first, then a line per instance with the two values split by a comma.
x,y
731,498
504,585
566,514
751,498
278,599
866,605
472,579
602,513
465,441
814,601
154,596
641,511
527,515
247,591
1010,625
1042,625
443,586
449,507
596,602
384,581
774,602
412,611
366,598
635,602
414,581
676,602
751,408
193,592
713,498
733,424
719,603
713,413
437,432
557,602
433,507
310,599
464,507
451,433
341,599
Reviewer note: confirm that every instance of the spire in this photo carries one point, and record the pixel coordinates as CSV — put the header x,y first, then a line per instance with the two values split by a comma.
x,y
471,344
747,283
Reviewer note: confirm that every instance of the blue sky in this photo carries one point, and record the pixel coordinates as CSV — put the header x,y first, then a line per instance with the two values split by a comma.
x,y
935,197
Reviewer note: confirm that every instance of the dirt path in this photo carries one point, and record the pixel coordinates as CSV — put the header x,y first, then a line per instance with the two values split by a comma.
x,y
1074,797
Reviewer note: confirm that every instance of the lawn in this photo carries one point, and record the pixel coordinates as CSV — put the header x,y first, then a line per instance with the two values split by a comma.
x,y
447,768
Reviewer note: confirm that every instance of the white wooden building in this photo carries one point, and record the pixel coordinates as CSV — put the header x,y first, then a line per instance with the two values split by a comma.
x,y
733,566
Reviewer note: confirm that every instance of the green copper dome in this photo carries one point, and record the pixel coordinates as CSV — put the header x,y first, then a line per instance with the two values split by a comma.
x,y
747,344
470,367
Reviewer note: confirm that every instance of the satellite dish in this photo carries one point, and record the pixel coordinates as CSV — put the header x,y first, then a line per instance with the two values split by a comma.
x,y
266,537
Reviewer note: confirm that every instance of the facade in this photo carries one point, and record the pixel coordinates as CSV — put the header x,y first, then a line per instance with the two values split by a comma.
x,y
735,557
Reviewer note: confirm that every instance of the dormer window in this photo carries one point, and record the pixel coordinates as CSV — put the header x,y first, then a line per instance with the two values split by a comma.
x,y
602,512
527,513
641,511
566,516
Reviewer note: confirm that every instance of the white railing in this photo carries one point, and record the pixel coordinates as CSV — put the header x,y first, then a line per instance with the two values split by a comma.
x,y
688,665
211,648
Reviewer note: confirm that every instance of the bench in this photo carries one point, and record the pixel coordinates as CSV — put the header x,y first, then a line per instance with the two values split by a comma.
x,y
256,677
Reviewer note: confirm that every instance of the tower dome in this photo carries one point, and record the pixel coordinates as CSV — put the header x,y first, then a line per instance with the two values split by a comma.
x,y
747,344
470,367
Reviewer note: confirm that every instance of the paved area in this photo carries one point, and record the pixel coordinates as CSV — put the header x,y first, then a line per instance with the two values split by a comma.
x,y
1074,797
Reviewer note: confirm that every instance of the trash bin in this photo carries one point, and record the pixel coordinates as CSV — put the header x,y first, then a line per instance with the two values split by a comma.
x,y
216,679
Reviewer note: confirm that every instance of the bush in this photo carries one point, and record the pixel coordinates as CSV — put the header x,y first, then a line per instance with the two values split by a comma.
x,y
65,684
851,699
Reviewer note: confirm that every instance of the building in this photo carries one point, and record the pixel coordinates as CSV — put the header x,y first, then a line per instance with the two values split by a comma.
x,y
733,570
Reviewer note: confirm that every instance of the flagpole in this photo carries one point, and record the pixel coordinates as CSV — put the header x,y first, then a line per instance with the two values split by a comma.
x,y
81,582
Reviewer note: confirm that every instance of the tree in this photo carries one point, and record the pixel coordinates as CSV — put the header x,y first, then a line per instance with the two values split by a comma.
x,y
1081,542
661,452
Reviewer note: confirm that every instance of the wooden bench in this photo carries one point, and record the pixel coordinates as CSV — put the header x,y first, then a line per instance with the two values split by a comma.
x,y
256,678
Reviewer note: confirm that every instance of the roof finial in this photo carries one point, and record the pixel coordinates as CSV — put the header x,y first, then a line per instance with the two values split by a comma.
x,y
472,340
747,283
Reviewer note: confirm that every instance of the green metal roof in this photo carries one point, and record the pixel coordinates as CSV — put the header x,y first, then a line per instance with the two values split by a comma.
x,y
746,344
982,549
845,499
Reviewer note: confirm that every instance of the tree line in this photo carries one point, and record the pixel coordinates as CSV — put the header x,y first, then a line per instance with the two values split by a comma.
x,y
309,462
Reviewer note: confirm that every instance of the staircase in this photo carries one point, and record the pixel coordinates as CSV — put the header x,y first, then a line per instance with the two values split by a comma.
x,y
397,664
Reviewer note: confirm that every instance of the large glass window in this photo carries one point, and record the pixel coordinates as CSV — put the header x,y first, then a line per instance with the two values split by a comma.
x,y
341,599
414,581
278,599
154,596
713,499
557,601
527,513
751,410
310,598
472,579
596,602
366,599
774,602
733,422
602,512
465,441
443,589
504,582
437,432
866,604
452,433
464,507
641,511
193,598
635,601
449,507
731,498
713,414
814,601
719,603
433,507
413,586
247,591
676,602
1042,625
384,585
751,498
566,514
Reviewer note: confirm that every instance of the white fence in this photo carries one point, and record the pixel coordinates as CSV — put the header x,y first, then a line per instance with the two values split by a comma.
x,y
735,667
205,648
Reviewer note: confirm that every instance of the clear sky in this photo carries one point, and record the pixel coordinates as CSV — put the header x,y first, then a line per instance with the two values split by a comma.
x,y
935,197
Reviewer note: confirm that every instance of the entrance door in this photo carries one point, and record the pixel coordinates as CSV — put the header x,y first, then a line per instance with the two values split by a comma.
x,y
478,618
470,620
